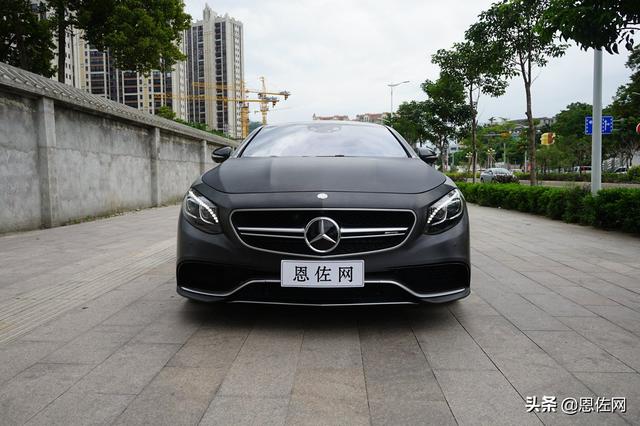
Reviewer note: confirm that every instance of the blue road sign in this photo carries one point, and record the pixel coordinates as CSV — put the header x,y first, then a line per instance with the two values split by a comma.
x,y
607,125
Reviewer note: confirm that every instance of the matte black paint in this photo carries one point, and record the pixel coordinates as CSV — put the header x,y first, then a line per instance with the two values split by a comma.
x,y
349,182
343,174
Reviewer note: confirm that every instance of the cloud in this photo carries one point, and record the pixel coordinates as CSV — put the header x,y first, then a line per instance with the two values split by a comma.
x,y
337,56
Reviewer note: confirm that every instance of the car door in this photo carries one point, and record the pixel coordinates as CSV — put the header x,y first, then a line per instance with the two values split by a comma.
x,y
488,177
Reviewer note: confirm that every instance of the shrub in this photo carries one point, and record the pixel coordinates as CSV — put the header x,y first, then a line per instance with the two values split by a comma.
x,y
554,204
505,179
617,208
573,204
458,177
461,176
632,176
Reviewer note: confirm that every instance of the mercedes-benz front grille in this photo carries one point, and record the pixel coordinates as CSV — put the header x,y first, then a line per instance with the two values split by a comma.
x,y
307,232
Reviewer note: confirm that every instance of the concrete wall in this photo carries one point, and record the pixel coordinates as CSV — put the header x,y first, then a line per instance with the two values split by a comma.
x,y
19,181
66,155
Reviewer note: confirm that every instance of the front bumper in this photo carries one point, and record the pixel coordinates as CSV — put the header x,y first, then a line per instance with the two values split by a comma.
x,y
426,268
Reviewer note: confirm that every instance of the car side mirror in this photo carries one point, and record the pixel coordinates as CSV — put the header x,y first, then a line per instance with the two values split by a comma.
x,y
427,155
221,154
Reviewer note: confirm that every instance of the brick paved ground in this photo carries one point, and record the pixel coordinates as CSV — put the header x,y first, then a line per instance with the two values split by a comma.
x,y
91,331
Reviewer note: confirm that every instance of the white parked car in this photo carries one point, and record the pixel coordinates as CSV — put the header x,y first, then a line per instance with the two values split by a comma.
x,y
497,174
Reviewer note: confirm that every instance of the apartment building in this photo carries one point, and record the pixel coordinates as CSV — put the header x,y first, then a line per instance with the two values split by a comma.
x,y
146,92
201,89
73,39
215,71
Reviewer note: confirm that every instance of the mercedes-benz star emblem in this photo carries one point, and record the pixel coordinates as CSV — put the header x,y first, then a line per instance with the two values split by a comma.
x,y
322,196
322,234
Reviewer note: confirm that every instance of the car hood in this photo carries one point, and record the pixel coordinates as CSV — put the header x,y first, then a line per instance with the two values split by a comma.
x,y
345,174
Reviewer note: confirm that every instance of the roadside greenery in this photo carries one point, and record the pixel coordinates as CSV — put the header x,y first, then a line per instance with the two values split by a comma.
x,y
616,209
446,112
168,113
440,118
25,40
514,27
409,121
626,110
481,70
140,35
597,24
631,176
516,38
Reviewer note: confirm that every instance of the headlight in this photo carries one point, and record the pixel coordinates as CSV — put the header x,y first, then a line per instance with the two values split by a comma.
x,y
200,212
445,212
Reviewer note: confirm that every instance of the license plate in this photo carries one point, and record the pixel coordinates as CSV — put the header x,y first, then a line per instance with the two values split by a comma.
x,y
320,274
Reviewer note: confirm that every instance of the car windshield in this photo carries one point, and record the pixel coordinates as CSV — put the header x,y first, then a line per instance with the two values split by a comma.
x,y
324,140
501,171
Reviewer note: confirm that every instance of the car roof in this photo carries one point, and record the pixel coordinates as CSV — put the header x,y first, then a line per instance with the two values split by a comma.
x,y
322,122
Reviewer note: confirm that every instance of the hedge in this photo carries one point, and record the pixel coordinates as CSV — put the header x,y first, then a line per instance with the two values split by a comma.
x,y
615,208
460,176
632,176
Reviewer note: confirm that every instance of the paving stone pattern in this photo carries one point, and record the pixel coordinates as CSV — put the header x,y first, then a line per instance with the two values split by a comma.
x,y
94,333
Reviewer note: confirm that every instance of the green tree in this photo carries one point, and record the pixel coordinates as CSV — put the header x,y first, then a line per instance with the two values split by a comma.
x,y
571,143
446,113
141,35
594,24
200,126
25,39
481,69
254,125
515,27
500,136
166,112
409,121
626,110
63,14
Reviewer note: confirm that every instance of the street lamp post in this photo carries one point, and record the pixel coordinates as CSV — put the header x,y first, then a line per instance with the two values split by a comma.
x,y
490,158
596,134
391,86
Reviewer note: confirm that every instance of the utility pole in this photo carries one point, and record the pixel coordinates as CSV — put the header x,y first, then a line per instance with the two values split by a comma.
x,y
504,153
391,86
596,134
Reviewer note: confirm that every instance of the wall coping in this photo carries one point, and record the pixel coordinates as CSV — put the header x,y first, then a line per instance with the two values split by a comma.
x,y
18,80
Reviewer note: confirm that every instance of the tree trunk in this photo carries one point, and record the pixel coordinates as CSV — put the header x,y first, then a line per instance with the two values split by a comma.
x,y
445,156
441,154
62,39
531,132
24,60
474,145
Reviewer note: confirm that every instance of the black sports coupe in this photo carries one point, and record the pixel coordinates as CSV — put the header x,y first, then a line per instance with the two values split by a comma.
x,y
323,213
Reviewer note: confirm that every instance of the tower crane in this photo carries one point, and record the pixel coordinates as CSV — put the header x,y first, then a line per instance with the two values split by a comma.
x,y
265,98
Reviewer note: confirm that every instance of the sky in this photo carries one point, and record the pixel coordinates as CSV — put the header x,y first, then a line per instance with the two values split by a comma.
x,y
337,56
